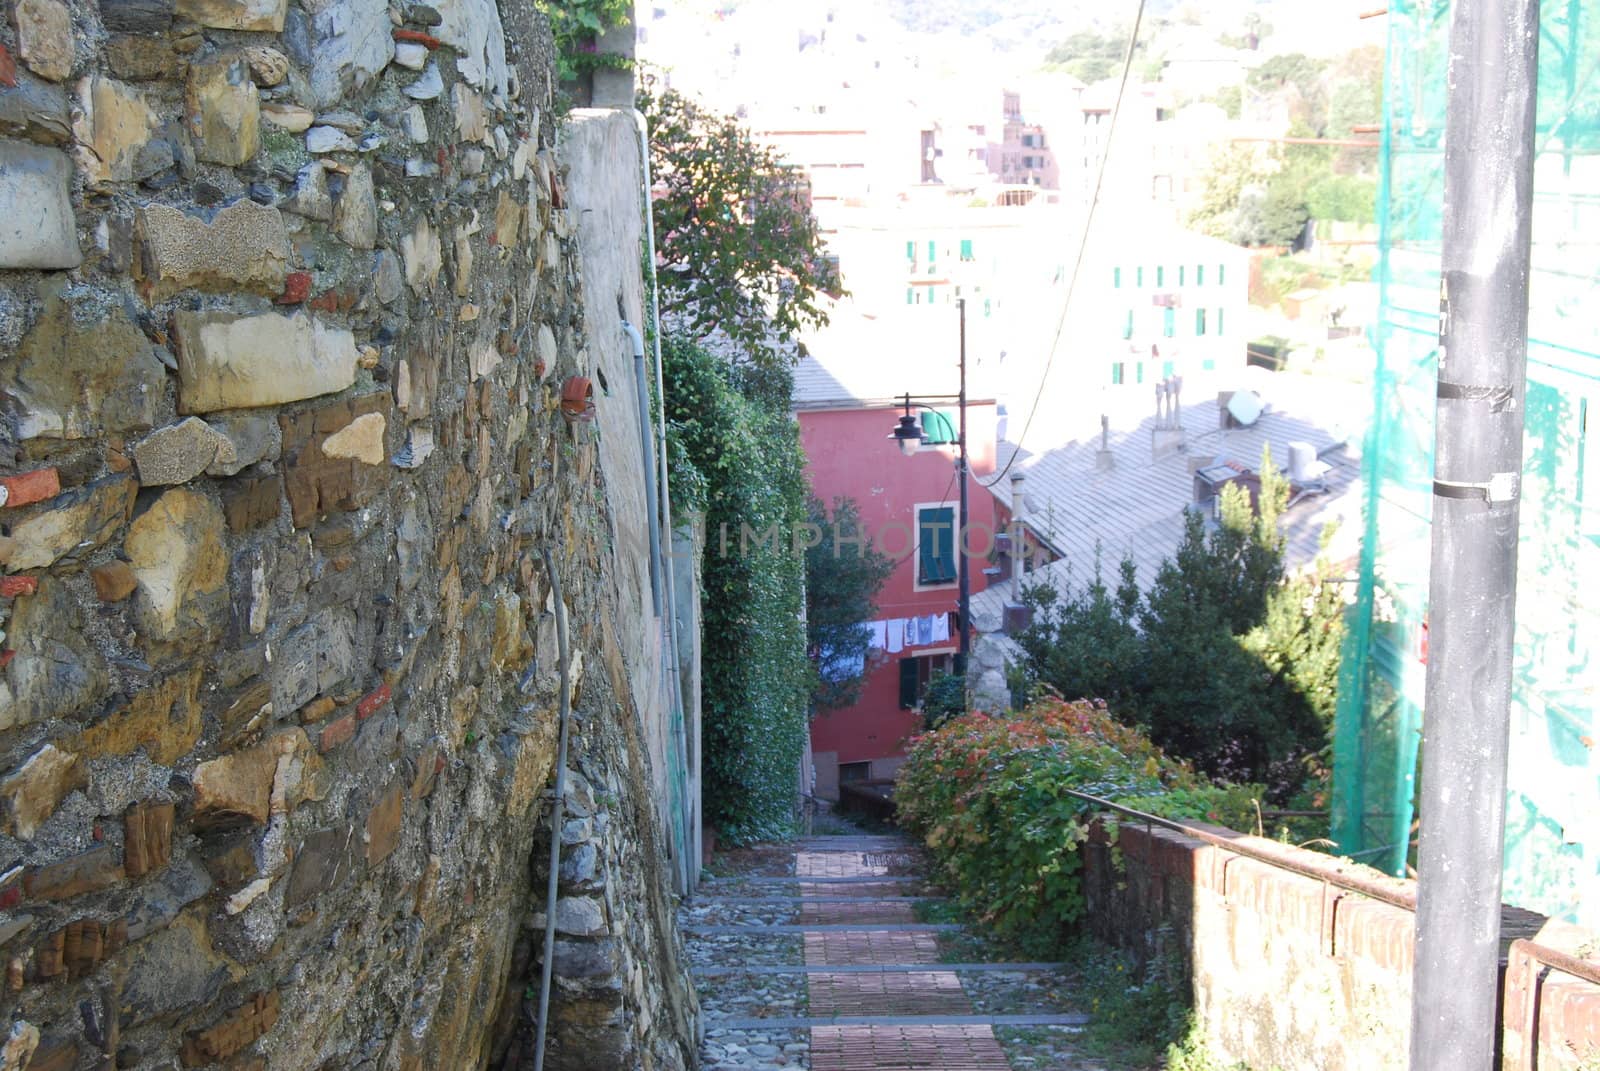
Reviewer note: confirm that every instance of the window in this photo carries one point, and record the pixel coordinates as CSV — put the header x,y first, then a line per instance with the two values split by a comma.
x,y
1138,276
936,545
1127,325
1167,368
1169,321
933,254
1219,321
1161,275
911,252
1180,274
985,307
909,687
1138,371
1199,321
1116,374
966,249
1208,365
1116,277
1221,273
854,771
1199,275
911,294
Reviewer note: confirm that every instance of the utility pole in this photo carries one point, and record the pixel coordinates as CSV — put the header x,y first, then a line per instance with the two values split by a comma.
x,y
1483,350
964,572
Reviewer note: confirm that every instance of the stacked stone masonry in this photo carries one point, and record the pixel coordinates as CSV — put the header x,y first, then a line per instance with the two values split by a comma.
x,y
287,290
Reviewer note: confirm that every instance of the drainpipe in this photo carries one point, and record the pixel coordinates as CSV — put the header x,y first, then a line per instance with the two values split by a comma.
x,y
647,449
556,815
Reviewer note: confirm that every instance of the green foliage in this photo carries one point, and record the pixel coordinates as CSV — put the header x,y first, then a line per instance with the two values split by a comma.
x,y
740,249
745,457
1092,57
843,578
944,698
987,796
575,25
1343,197
1138,1012
1223,660
1230,99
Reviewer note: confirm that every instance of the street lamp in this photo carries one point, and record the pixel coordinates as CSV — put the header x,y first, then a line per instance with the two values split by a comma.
x,y
908,435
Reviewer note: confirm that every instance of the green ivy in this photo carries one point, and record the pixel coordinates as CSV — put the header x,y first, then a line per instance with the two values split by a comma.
x,y
576,24
741,459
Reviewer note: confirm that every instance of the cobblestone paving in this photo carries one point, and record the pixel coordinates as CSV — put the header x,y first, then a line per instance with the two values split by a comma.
x,y
842,894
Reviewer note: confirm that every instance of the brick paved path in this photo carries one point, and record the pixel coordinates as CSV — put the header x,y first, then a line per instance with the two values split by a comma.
x,y
908,1014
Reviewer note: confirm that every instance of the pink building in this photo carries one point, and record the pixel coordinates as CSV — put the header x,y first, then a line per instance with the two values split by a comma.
x,y
845,400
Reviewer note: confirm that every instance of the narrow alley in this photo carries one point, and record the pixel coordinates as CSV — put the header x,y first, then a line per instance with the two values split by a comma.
x,y
824,954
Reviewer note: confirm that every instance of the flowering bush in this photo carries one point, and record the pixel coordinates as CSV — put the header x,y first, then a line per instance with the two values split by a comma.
x,y
988,796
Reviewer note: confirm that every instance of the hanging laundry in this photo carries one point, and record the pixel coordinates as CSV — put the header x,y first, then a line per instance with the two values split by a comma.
x,y
925,629
895,640
909,624
878,637
941,628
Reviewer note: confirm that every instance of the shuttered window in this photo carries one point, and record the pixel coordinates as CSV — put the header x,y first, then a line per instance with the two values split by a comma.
x,y
936,545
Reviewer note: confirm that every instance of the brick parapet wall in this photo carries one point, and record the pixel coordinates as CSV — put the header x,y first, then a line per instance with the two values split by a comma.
x,y
1290,972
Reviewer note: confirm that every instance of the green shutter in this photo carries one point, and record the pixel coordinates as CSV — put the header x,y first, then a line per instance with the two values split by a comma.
x,y
1222,270
908,682
1116,277
1200,275
938,427
1169,321
1161,275
1219,321
966,249
1180,274
911,251
1127,325
1138,276
1199,321
936,542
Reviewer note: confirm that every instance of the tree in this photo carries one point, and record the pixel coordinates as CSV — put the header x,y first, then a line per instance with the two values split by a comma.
x,y
741,251
843,578
1088,56
1222,661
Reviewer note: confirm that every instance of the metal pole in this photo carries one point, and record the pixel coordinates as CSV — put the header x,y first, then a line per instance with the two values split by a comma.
x,y
1483,349
962,571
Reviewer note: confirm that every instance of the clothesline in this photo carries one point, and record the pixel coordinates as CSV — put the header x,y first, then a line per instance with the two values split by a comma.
x,y
895,634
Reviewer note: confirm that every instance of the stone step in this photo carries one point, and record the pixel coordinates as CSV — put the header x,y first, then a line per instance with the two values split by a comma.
x,y
827,927
791,880
876,968
722,899
810,1023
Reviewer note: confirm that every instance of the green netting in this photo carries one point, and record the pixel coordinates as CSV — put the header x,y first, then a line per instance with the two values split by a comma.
x,y
1552,839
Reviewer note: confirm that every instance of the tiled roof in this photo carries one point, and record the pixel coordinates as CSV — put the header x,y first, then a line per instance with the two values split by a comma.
x,y
1136,507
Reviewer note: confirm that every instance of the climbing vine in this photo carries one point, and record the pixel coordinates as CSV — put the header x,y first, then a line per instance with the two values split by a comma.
x,y
742,457
576,25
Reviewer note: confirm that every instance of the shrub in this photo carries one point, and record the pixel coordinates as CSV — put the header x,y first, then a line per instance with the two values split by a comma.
x,y
988,796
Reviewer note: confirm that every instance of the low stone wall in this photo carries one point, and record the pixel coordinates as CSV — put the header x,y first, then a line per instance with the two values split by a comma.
x,y
1289,973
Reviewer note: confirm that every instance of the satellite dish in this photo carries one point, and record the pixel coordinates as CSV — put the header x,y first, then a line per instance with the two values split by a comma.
x,y
1245,407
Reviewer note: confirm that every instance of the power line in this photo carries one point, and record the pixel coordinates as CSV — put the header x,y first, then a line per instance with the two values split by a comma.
x,y
1083,241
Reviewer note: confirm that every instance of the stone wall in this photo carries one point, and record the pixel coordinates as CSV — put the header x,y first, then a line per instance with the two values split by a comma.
x,y
287,294
1291,973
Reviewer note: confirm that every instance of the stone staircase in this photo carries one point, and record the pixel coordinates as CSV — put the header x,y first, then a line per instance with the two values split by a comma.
x,y
812,956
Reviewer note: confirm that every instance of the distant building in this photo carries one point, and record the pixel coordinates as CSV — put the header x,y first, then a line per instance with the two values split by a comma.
x,y
1024,156
846,400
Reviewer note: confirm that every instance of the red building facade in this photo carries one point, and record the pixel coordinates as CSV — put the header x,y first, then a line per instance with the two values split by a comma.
x,y
908,507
